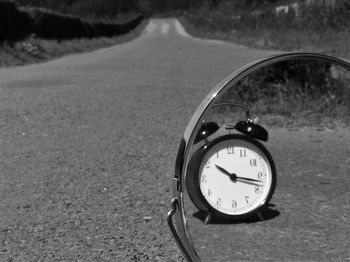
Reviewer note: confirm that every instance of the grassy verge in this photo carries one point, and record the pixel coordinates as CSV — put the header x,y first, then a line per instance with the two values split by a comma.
x,y
34,50
294,96
331,42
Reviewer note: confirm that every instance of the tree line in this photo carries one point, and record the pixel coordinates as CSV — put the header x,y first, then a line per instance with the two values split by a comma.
x,y
106,8
111,8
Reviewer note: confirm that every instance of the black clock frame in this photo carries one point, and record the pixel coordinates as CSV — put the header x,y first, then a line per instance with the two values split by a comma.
x,y
192,181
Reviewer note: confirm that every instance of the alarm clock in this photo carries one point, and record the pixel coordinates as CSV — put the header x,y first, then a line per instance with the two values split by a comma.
x,y
231,175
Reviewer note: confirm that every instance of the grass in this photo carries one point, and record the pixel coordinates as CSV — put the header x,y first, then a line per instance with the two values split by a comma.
x,y
329,41
280,103
34,50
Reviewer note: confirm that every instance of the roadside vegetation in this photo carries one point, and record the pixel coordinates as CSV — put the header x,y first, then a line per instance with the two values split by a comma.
x,y
33,50
284,95
296,94
37,30
30,34
317,26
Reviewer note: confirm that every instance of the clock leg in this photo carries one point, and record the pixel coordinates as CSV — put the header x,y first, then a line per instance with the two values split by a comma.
x,y
208,218
260,216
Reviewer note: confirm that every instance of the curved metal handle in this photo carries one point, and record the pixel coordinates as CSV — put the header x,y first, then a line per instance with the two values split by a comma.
x,y
171,213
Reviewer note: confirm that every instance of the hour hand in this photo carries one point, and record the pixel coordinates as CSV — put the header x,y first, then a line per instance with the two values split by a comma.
x,y
223,170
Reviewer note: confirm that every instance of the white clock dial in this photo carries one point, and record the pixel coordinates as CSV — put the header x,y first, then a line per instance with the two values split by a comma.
x,y
235,177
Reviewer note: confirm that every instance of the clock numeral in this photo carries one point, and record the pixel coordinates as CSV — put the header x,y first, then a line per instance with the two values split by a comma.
x,y
253,162
243,153
230,150
260,176
234,203
218,202
247,199
209,192
217,154
207,165
204,179
258,189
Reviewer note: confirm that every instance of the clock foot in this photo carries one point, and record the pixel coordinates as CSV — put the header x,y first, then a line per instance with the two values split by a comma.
x,y
260,216
208,218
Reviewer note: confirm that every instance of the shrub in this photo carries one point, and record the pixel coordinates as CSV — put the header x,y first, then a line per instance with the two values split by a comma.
x,y
17,24
51,25
293,87
14,25
261,14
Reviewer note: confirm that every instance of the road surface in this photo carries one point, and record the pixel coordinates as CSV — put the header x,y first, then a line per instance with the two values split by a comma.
x,y
88,147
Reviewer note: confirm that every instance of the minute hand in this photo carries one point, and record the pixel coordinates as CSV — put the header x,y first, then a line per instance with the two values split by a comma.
x,y
236,178
249,181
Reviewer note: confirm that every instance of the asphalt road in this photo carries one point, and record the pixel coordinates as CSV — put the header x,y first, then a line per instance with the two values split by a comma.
x,y
88,147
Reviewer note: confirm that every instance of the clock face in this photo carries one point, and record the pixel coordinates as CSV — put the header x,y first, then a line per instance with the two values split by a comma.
x,y
236,177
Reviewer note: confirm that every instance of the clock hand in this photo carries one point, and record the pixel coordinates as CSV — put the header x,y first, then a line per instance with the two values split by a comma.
x,y
236,178
248,179
223,170
240,179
